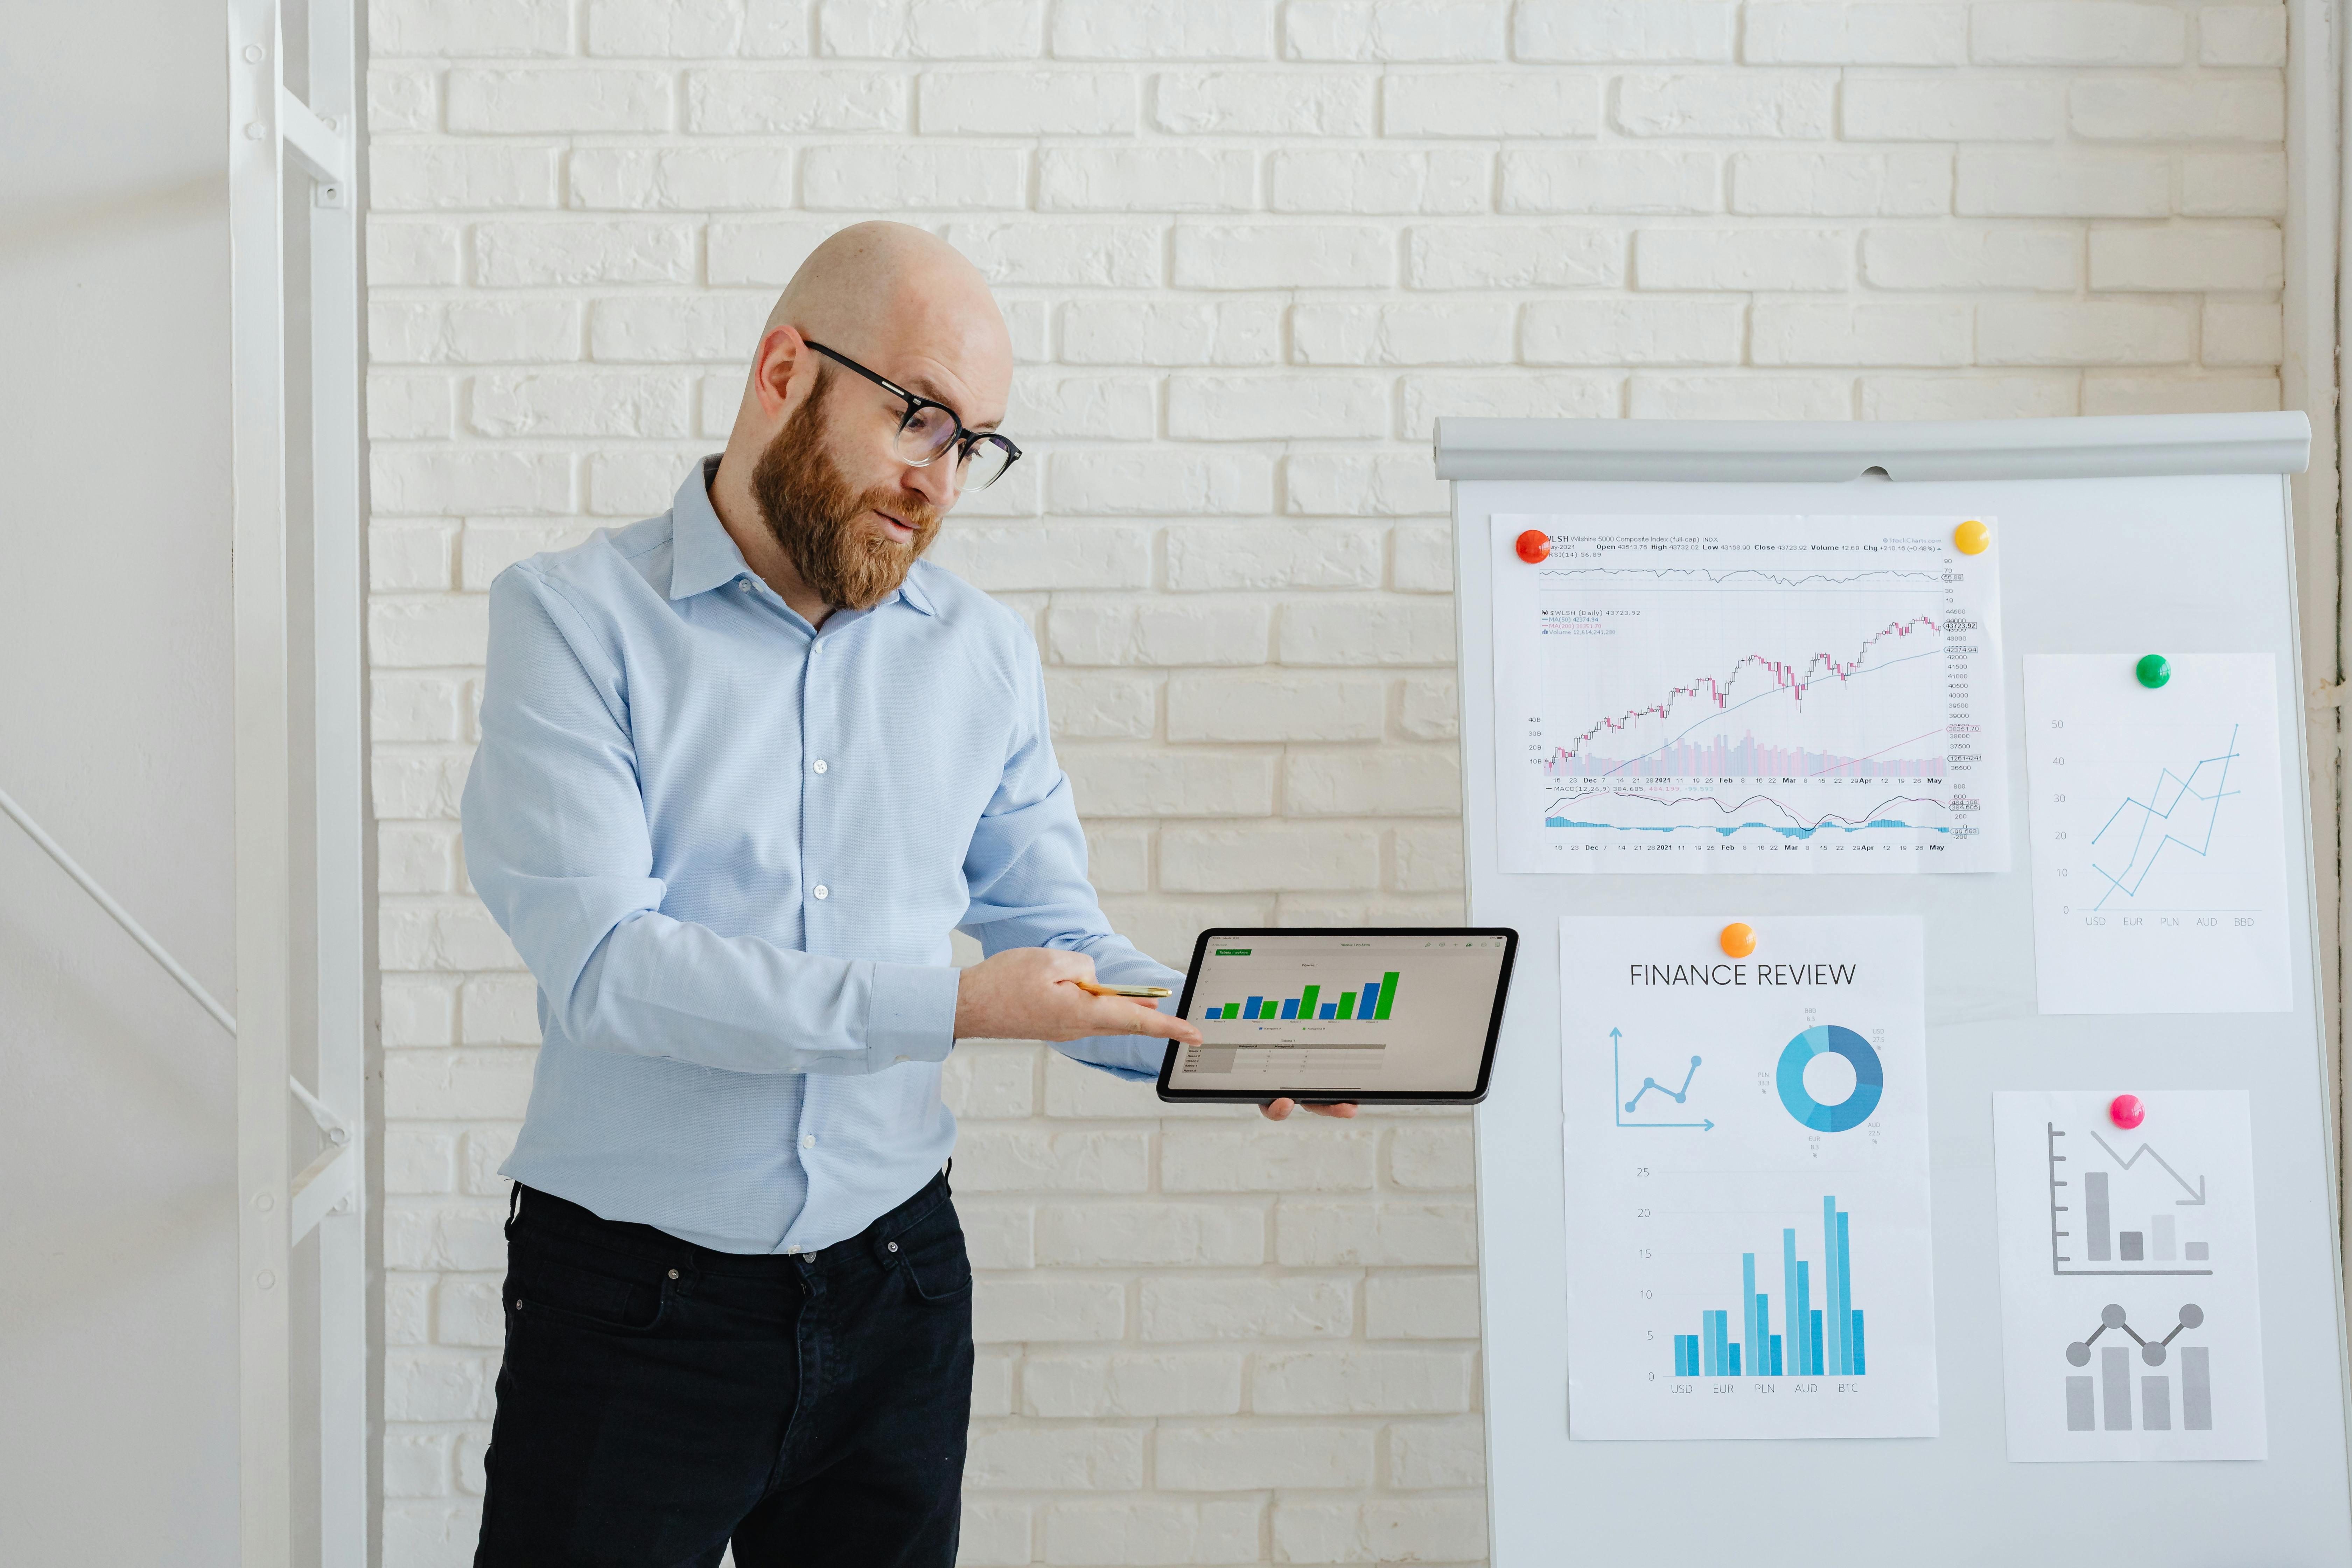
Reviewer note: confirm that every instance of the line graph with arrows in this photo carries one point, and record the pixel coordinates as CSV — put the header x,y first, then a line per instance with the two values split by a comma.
x,y
1679,1095
1748,694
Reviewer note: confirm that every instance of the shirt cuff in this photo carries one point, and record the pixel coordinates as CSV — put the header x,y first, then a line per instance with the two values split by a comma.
x,y
910,1014
1123,1056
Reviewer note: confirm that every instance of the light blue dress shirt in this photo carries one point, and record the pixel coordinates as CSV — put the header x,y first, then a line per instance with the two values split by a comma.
x,y
731,848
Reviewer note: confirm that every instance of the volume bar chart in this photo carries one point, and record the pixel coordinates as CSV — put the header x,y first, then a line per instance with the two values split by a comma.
x,y
1373,1000
1820,1338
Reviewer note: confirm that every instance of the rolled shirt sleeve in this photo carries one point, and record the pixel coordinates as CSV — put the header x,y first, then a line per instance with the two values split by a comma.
x,y
1027,872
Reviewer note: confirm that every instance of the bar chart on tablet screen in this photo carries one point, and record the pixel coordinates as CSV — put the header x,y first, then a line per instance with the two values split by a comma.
x,y
1748,694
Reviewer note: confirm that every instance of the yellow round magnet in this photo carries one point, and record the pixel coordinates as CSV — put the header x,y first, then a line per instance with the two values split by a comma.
x,y
1971,538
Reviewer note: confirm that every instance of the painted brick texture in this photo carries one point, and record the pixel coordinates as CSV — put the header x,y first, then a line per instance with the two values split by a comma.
x,y
1249,249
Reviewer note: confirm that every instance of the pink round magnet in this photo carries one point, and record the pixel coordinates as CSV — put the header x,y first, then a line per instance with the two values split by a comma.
x,y
2128,1112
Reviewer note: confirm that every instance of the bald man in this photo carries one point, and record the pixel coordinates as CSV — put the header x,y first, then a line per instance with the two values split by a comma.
x,y
743,767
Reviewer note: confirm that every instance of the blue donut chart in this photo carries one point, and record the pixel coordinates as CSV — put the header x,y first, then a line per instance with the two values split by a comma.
x,y
1869,1078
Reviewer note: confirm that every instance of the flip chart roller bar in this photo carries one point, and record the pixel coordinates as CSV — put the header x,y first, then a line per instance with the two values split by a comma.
x,y
1916,450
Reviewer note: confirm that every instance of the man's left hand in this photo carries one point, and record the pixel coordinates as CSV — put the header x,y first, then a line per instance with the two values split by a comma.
x,y
1280,1110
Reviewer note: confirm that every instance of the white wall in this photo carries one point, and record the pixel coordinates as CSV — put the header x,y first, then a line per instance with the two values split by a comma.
x,y
118,1341
1249,248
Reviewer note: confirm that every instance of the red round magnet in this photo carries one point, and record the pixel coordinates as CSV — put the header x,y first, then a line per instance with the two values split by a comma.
x,y
2128,1112
1535,545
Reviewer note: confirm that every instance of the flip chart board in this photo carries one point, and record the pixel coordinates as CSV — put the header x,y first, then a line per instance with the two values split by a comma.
x,y
1778,675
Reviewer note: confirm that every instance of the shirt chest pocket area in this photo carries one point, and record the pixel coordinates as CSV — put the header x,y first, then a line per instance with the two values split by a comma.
x,y
609,1293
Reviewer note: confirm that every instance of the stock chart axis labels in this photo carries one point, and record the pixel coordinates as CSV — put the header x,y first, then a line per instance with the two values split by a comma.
x,y
1746,1147
1748,694
2159,860
2131,1311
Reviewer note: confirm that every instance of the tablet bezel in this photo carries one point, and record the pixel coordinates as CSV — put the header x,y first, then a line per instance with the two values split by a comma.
x,y
1323,1097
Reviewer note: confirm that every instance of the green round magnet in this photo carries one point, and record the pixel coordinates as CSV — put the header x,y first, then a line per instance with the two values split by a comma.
x,y
2153,671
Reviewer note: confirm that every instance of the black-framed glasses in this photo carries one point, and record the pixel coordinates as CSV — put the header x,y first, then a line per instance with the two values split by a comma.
x,y
929,428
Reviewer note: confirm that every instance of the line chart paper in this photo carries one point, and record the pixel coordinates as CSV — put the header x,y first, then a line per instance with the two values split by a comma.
x,y
2159,860
1748,694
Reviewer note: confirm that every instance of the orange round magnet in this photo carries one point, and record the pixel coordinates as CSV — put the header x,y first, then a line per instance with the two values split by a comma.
x,y
1535,545
1738,940
1971,538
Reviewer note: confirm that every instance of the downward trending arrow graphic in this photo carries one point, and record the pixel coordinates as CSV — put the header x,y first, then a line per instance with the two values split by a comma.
x,y
2196,1194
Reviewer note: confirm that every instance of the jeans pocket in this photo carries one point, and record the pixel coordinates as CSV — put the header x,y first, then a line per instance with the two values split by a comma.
x,y
931,1255
583,1288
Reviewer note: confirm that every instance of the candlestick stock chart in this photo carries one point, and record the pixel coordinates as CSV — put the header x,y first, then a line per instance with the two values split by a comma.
x,y
1748,694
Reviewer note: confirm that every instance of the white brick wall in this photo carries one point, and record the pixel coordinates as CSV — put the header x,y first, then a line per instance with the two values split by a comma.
x,y
1249,249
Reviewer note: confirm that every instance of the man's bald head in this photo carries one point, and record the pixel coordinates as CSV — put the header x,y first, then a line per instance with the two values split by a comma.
x,y
907,307
889,292
855,281
898,300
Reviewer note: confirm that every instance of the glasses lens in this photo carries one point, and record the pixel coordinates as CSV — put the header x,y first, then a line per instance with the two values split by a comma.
x,y
989,457
926,435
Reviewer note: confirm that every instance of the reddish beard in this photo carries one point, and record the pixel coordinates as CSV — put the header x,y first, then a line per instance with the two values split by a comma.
x,y
822,523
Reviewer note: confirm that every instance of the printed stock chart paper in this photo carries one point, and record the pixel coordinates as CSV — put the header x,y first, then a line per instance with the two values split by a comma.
x,y
1746,1142
1748,694
2160,843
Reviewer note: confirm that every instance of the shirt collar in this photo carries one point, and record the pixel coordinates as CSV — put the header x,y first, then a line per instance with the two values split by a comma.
x,y
704,555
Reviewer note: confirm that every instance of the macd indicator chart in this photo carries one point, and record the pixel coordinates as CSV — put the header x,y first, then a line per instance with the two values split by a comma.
x,y
1821,1330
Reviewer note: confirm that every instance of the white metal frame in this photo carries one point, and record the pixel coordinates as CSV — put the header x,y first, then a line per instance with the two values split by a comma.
x,y
281,1207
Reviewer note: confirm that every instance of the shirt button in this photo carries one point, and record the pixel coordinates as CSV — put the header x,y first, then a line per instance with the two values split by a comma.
x,y
808,1139
819,764
822,891
745,584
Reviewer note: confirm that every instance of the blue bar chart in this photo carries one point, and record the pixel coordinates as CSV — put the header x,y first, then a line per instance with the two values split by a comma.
x,y
1373,1000
1827,1339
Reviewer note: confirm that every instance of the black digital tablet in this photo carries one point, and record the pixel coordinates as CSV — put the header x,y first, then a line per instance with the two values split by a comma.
x,y
1403,1015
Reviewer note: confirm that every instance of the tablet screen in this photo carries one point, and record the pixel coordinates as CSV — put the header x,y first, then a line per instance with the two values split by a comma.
x,y
1333,1014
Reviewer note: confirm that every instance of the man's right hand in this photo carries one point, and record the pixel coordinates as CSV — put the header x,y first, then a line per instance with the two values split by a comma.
x,y
1030,994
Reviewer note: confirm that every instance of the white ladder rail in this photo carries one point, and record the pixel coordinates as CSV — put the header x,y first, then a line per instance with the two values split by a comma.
x,y
268,125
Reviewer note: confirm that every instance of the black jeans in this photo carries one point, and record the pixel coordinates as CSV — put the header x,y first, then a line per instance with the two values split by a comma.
x,y
660,1400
